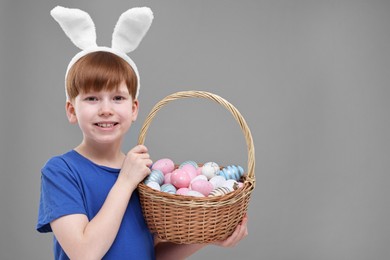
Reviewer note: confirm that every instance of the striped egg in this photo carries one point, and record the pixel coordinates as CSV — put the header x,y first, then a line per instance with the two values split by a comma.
x,y
220,191
194,193
232,172
155,175
193,163
154,185
169,188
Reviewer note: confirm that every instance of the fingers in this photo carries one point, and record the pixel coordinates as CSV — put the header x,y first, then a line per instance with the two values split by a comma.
x,y
239,233
243,228
232,240
141,152
139,149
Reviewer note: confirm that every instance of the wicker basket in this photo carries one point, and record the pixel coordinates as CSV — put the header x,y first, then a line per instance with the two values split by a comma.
x,y
188,220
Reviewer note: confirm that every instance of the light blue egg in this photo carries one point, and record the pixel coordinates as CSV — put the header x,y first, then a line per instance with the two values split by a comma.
x,y
232,172
189,162
156,176
167,187
241,170
237,173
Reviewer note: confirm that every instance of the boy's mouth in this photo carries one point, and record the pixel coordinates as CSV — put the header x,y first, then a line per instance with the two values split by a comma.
x,y
106,125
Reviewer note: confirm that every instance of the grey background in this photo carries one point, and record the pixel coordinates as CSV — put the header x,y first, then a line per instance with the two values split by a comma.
x,y
310,78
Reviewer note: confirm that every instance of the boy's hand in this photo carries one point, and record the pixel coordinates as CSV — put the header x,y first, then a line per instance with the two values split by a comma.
x,y
240,232
136,166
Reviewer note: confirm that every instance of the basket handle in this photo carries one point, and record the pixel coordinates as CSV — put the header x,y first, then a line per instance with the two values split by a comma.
x,y
207,95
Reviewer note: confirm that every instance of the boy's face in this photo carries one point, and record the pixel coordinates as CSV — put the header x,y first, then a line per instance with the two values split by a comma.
x,y
105,116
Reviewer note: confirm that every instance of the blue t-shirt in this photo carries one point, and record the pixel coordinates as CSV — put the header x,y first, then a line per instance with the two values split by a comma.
x,y
72,184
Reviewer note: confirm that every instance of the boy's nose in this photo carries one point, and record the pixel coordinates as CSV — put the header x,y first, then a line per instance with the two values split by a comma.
x,y
105,108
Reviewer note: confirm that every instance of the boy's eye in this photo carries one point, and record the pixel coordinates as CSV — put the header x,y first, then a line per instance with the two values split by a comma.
x,y
118,98
91,99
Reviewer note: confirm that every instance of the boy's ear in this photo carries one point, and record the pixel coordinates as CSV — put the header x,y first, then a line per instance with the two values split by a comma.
x,y
135,109
70,112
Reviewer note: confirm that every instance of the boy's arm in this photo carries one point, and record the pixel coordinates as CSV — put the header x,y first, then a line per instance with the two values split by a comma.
x,y
83,239
168,251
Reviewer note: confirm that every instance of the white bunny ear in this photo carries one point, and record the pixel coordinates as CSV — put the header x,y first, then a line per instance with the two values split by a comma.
x,y
77,25
131,27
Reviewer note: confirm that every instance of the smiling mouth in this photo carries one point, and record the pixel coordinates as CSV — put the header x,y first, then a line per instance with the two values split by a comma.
x,y
106,125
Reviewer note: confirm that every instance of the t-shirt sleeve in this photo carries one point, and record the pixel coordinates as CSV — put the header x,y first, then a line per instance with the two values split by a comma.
x,y
61,194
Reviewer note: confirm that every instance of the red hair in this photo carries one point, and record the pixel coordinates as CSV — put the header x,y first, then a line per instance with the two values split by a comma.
x,y
99,71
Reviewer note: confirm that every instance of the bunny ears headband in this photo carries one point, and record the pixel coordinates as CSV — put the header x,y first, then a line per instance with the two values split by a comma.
x,y
131,27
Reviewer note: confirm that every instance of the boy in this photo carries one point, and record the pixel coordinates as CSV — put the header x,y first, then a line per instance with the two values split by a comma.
x,y
88,195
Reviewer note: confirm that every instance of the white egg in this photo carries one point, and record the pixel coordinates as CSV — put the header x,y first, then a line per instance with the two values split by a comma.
x,y
210,169
217,181
231,184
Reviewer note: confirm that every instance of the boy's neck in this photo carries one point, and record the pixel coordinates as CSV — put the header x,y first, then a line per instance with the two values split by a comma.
x,y
106,155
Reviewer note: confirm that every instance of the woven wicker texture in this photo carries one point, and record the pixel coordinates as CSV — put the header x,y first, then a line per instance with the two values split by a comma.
x,y
188,220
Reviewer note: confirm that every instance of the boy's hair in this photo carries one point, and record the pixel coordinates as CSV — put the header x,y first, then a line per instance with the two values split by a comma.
x,y
98,71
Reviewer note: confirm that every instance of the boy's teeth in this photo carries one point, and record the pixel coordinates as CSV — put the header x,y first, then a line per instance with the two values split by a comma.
x,y
105,125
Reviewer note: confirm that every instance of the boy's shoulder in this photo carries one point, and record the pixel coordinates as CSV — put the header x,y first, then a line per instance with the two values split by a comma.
x,y
63,161
61,158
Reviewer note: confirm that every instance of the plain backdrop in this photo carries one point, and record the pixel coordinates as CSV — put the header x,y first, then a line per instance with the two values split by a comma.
x,y
311,78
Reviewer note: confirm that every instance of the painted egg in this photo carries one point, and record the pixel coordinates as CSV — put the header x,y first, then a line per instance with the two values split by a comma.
x,y
194,193
155,175
180,178
220,191
190,169
168,188
188,162
240,184
217,181
182,191
234,172
164,165
167,178
154,185
202,186
231,184
199,177
210,169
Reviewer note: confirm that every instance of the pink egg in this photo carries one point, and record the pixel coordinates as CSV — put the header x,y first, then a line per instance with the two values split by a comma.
x,y
202,186
164,165
199,177
182,191
180,178
167,178
199,170
190,169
